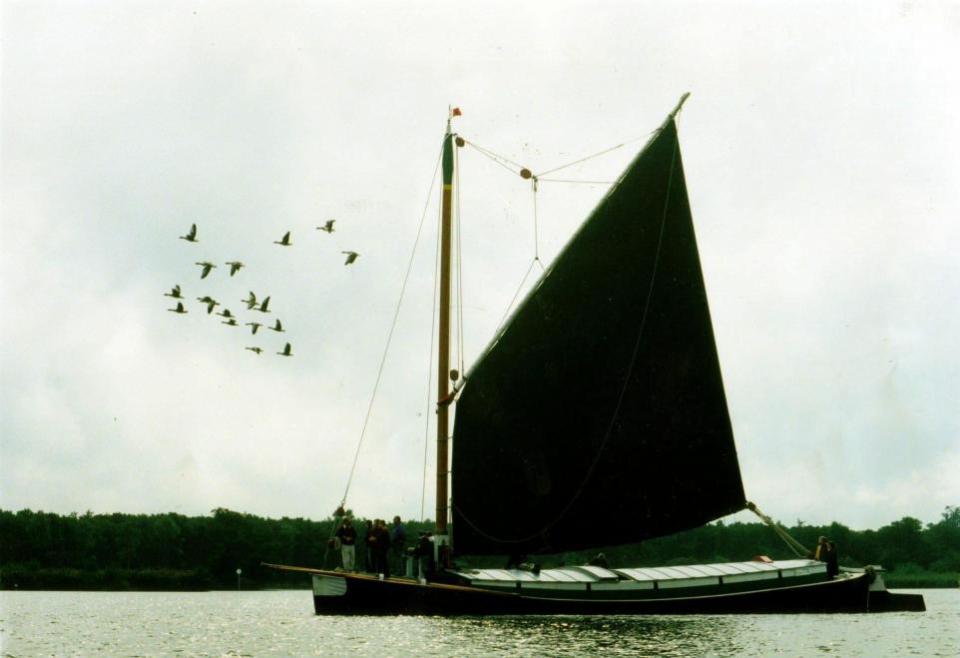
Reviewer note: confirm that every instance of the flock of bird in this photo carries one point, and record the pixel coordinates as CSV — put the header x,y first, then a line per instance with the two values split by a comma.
x,y
253,304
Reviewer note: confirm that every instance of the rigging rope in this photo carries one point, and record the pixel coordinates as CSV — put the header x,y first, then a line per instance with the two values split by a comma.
x,y
536,228
581,182
393,326
458,225
426,414
506,313
517,168
798,549
589,157
536,261
504,161
499,159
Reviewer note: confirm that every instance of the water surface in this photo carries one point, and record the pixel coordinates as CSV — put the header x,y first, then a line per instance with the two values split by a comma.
x,y
282,623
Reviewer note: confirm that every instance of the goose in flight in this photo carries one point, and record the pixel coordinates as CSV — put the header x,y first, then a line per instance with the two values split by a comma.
x,y
255,325
250,301
179,308
207,266
264,305
225,313
351,256
286,351
255,350
235,266
191,236
328,227
174,292
284,241
209,301
231,322
277,327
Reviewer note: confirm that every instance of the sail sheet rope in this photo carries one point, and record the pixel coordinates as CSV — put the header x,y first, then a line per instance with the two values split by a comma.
x,y
543,531
393,325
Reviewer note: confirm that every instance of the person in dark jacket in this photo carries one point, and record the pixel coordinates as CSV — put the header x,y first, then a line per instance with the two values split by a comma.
x,y
832,559
827,552
347,535
398,543
368,543
381,548
424,553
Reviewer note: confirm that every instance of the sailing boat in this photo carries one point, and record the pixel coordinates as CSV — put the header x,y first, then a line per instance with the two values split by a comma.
x,y
596,416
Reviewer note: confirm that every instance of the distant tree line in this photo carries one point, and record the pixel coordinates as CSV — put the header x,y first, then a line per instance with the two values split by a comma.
x,y
40,550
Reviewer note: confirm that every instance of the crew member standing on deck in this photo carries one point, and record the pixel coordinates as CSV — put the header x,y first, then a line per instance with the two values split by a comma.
x,y
347,535
369,541
382,563
827,552
398,543
832,560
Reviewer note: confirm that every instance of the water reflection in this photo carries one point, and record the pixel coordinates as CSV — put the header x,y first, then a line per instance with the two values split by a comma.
x,y
282,624
578,636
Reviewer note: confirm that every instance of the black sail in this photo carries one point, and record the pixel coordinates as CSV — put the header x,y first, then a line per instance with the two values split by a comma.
x,y
598,417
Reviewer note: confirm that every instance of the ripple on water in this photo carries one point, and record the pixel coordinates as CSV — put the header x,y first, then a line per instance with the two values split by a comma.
x,y
241,624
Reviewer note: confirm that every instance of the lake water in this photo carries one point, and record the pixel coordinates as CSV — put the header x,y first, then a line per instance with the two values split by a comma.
x,y
282,623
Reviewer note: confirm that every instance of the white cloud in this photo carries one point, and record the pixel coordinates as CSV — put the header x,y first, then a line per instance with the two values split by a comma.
x,y
820,152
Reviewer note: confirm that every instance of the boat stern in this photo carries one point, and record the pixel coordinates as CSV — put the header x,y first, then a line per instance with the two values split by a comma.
x,y
883,600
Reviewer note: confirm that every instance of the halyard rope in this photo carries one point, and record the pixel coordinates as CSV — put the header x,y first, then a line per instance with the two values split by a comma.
x,y
393,326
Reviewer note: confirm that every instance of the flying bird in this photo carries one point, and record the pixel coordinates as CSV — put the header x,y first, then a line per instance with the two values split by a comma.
x,y
351,256
225,313
255,350
231,322
284,241
192,235
265,305
235,266
251,301
277,327
328,227
286,351
209,301
174,292
255,325
179,308
207,266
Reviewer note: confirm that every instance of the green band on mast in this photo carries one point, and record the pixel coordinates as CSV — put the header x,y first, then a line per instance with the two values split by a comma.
x,y
448,159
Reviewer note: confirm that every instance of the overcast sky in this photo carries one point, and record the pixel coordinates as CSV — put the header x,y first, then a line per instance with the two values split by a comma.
x,y
821,148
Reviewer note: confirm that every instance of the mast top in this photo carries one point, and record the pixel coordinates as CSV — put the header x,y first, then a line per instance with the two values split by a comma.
x,y
452,112
683,99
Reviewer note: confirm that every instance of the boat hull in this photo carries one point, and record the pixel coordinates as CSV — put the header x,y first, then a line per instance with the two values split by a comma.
x,y
369,595
793,588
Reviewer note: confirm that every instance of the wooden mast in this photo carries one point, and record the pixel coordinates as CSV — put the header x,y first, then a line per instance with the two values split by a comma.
x,y
443,361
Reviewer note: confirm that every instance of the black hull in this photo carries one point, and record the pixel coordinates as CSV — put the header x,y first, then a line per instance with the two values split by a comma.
x,y
370,596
